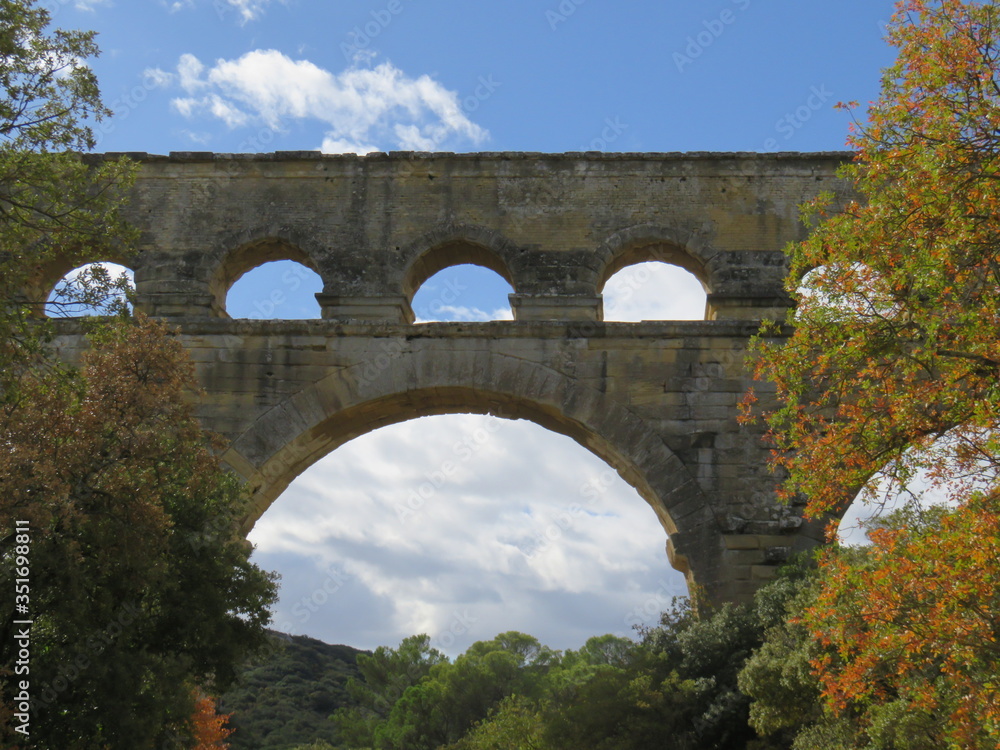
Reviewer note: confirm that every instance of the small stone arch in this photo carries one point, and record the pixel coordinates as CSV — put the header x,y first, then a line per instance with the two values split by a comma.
x,y
453,245
409,381
48,275
252,249
648,242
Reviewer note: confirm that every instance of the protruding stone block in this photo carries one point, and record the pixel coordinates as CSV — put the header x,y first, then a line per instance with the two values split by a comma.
x,y
741,541
726,307
389,309
557,307
171,305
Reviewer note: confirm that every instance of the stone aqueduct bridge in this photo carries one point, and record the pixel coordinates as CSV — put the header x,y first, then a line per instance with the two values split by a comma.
x,y
656,400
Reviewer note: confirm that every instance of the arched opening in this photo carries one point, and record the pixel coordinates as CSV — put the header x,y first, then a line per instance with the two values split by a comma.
x,y
946,471
91,289
649,275
279,289
864,512
463,526
459,279
268,278
406,379
283,443
653,290
465,292
840,291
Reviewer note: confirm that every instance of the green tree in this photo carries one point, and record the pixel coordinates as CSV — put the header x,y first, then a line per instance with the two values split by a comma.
x,y
140,590
639,706
286,694
893,370
140,587
676,688
574,668
385,675
514,724
679,687
56,209
786,704
441,708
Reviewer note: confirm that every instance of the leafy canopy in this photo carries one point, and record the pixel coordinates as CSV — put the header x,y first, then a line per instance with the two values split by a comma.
x,y
675,688
141,589
895,338
892,369
141,592
56,210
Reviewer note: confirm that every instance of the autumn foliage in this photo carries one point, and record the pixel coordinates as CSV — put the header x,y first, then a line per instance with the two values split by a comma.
x,y
896,341
209,726
891,373
910,631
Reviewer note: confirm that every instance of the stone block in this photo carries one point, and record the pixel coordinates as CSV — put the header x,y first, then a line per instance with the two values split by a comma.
x,y
746,556
557,307
741,541
763,572
394,309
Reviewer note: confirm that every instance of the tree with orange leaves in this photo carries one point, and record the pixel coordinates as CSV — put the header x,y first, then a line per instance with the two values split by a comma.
x,y
892,371
210,730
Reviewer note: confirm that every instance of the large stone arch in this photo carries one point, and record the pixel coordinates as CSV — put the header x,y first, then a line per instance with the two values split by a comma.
x,y
399,385
242,253
455,244
560,225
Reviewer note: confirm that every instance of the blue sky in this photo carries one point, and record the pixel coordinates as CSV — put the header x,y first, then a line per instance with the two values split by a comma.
x,y
497,545
562,75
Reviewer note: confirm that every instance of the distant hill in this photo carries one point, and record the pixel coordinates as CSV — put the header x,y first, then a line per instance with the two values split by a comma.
x,y
285,699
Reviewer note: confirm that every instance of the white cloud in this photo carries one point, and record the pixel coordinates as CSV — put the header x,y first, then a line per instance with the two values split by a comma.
x,y
197,137
246,10
185,107
363,109
653,291
411,139
226,112
157,78
464,292
345,146
90,5
249,10
190,68
464,523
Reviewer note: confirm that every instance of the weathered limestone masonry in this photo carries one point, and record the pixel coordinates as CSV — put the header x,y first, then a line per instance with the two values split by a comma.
x,y
656,400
